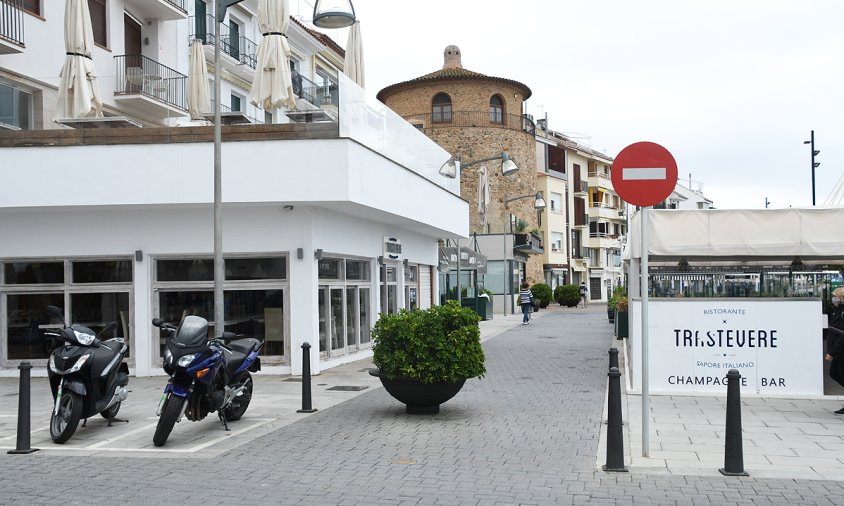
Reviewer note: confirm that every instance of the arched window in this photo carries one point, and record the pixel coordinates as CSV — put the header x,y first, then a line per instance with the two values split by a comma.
x,y
441,108
496,109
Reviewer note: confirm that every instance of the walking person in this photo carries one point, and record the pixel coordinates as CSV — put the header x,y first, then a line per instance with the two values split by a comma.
x,y
526,300
584,292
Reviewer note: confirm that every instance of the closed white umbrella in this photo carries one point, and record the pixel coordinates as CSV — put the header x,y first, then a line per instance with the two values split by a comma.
x,y
272,87
79,95
483,195
353,65
198,101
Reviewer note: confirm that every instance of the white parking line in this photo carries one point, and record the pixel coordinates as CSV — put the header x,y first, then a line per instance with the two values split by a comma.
x,y
33,431
130,433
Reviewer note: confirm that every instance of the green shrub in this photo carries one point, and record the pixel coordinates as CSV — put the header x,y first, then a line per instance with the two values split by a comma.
x,y
489,293
567,295
541,294
618,293
442,343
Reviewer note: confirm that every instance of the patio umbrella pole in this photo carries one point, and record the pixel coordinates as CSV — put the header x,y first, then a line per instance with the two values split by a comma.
x,y
219,268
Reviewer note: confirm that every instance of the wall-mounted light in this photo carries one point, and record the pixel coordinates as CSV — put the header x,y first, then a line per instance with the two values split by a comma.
x,y
300,253
146,41
139,255
318,254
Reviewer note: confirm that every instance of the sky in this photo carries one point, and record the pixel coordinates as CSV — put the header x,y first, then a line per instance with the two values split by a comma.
x,y
732,88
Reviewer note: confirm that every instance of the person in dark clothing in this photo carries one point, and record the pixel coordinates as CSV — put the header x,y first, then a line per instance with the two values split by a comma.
x,y
526,300
835,340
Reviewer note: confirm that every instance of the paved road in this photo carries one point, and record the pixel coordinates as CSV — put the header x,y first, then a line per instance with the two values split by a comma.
x,y
527,433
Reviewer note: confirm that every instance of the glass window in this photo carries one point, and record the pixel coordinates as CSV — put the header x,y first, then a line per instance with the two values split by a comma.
x,y
15,107
496,109
441,108
235,103
357,270
110,271
363,308
29,273
97,310
256,268
97,9
556,203
251,313
351,316
411,273
197,269
268,118
26,323
329,268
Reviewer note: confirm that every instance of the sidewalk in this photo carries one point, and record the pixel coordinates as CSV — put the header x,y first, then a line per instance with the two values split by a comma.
x,y
782,438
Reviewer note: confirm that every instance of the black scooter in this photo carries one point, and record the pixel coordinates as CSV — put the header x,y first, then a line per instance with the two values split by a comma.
x,y
87,376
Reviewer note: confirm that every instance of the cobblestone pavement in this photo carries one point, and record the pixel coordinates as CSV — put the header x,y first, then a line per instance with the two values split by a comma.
x,y
527,433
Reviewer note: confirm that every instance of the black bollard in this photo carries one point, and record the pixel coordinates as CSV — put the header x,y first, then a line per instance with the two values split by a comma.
x,y
733,453
22,446
613,357
306,380
615,436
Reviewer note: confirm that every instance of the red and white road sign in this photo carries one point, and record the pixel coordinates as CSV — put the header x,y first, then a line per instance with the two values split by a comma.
x,y
644,174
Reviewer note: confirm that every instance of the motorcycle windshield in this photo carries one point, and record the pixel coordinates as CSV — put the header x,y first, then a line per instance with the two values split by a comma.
x,y
192,332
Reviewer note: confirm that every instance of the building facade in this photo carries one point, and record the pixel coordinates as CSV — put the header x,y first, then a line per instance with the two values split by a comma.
x,y
476,116
116,224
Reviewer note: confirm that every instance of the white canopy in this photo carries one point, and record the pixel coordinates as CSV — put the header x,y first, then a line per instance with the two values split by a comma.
x,y
768,235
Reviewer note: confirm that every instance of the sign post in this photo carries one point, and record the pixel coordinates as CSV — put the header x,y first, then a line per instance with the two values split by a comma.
x,y
644,174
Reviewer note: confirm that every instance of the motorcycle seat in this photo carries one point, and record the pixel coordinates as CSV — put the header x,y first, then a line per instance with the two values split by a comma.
x,y
245,346
233,362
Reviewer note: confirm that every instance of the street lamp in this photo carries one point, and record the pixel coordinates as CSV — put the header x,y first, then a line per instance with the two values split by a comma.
x,y
815,164
327,14
453,166
538,204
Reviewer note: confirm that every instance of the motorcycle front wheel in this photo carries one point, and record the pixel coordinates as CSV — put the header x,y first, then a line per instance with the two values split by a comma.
x,y
63,424
239,404
173,409
111,412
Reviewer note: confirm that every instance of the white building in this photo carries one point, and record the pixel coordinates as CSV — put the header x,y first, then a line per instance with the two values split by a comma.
x,y
116,224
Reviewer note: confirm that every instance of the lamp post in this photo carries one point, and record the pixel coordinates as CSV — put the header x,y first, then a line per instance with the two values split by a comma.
x,y
327,14
538,204
815,164
452,167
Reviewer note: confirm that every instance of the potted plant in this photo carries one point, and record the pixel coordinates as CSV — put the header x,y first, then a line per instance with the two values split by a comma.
x,y
423,357
541,294
567,295
618,291
621,330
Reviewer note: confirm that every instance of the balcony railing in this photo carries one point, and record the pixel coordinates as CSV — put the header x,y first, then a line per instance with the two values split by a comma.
x,y
318,95
598,173
179,4
137,74
224,109
528,243
240,48
11,21
581,186
449,119
579,252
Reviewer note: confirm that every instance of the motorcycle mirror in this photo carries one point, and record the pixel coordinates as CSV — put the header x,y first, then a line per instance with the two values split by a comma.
x,y
157,322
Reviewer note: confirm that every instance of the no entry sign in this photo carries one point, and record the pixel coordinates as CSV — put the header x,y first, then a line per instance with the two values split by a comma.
x,y
644,174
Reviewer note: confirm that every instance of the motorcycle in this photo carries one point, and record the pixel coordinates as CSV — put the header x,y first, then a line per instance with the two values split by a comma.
x,y
205,375
87,376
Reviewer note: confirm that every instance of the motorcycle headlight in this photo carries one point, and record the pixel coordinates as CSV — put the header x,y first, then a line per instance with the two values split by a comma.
x,y
168,357
83,338
52,364
79,363
185,360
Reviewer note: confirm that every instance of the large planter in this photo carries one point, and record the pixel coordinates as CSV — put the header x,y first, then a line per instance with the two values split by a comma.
x,y
621,330
420,398
610,314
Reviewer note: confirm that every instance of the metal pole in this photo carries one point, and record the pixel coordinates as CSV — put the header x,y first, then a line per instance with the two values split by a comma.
x,y
23,436
643,286
219,266
504,240
459,299
812,145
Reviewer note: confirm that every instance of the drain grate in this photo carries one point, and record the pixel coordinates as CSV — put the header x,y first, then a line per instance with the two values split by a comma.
x,y
348,388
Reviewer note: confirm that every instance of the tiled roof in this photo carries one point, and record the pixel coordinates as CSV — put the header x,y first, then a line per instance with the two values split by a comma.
x,y
323,38
451,74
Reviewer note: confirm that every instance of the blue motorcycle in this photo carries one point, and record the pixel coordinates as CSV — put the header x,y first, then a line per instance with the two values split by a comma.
x,y
205,375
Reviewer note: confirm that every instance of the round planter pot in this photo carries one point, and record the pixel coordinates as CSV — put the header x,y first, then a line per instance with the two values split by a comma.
x,y
420,398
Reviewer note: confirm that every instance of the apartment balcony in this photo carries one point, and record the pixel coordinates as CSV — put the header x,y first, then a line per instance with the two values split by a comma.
x,y
146,85
238,54
607,212
528,243
599,179
165,10
321,96
581,221
580,188
11,26
464,119
603,240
